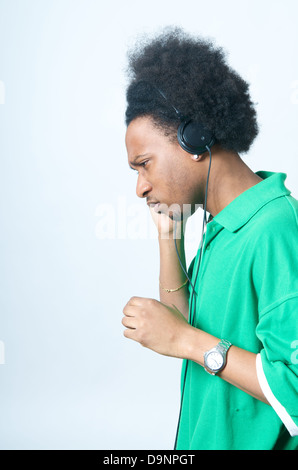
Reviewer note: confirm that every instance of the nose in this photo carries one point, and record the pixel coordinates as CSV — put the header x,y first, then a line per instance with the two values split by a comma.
x,y
143,187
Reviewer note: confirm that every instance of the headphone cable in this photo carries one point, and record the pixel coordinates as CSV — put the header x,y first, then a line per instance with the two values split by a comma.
x,y
193,290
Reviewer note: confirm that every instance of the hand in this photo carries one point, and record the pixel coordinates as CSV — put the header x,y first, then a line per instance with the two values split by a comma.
x,y
156,326
165,224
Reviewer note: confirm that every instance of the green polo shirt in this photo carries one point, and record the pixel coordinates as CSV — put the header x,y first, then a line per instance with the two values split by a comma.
x,y
247,293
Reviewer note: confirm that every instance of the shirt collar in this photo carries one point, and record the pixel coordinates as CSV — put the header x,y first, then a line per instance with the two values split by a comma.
x,y
246,205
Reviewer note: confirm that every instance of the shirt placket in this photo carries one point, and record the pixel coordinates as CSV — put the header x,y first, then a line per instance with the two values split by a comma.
x,y
212,230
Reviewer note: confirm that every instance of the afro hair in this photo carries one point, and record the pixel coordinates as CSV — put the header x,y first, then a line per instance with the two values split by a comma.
x,y
195,78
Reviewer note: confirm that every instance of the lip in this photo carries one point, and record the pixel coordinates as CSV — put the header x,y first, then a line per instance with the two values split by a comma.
x,y
154,206
152,203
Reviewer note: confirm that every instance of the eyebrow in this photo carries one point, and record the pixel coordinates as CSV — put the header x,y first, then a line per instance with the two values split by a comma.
x,y
134,162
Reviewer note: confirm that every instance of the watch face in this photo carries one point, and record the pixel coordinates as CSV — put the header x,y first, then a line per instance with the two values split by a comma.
x,y
214,360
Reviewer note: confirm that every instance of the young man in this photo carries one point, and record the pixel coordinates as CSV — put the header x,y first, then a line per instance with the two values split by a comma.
x,y
235,323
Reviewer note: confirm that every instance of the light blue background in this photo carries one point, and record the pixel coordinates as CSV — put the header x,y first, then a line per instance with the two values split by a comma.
x,y
70,380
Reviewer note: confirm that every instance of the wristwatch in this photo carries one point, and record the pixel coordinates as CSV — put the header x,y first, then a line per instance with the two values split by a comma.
x,y
215,358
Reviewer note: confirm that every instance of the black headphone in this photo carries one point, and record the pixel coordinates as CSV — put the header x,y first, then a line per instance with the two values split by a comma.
x,y
192,136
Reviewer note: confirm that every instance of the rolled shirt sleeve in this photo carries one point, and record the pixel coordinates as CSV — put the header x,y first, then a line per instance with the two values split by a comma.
x,y
277,362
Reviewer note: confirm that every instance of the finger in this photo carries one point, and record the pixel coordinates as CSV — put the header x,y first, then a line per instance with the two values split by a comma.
x,y
129,303
129,322
129,333
130,310
135,300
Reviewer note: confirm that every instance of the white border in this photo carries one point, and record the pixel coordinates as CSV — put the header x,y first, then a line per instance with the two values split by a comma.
x,y
276,405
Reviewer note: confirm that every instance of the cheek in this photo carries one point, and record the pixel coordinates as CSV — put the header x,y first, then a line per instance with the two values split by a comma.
x,y
172,181
179,190
169,174
178,180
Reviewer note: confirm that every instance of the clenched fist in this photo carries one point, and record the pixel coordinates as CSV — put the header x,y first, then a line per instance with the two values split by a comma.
x,y
156,326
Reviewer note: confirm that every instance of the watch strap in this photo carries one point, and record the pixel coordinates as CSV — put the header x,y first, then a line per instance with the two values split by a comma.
x,y
224,345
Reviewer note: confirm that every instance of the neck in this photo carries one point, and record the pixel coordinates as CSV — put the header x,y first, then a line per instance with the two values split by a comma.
x,y
229,177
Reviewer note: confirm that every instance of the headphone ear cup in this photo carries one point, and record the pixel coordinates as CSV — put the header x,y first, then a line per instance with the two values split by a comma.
x,y
194,138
